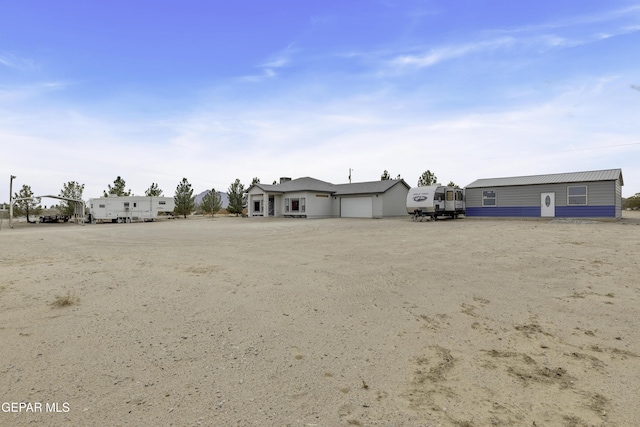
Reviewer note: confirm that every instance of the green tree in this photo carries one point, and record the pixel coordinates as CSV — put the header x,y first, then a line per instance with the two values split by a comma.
x,y
452,184
153,191
184,199
427,179
118,188
70,190
236,197
632,202
211,202
385,176
255,180
22,207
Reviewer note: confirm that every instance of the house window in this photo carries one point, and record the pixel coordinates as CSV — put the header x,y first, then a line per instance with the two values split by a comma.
x,y
577,195
295,205
489,198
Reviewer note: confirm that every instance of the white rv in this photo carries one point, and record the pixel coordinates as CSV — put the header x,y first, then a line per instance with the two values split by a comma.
x,y
129,208
434,201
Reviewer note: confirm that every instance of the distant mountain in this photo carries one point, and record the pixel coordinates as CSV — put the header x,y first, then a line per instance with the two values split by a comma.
x,y
224,197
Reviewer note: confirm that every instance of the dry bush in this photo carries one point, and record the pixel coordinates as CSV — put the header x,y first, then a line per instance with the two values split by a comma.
x,y
66,300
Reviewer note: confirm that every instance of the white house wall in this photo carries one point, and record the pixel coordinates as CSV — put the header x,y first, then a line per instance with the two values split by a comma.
x,y
319,205
325,205
395,201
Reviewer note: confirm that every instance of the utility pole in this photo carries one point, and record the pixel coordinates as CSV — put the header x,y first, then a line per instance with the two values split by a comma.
x,y
10,199
350,175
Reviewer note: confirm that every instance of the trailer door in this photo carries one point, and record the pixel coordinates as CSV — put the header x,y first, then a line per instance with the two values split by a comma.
x,y
449,202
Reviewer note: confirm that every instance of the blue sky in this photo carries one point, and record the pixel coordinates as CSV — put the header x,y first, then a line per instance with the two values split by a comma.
x,y
155,91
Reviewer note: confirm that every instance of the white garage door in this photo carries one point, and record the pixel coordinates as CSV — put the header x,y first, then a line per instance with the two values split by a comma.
x,y
356,207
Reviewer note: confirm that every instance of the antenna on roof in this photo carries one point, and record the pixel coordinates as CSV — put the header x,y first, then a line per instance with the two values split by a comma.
x,y
350,175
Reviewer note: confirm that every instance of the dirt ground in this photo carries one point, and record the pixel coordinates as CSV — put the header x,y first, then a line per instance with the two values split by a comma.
x,y
333,322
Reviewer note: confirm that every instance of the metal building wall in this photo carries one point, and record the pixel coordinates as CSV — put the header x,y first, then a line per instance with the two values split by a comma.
x,y
603,200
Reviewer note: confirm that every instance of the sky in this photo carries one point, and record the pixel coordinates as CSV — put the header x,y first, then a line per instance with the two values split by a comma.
x,y
213,91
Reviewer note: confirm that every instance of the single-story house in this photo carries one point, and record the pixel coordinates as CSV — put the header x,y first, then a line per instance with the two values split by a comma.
x,y
311,198
591,194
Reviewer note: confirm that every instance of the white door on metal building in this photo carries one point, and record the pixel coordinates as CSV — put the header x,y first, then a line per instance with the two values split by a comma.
x,y
548,204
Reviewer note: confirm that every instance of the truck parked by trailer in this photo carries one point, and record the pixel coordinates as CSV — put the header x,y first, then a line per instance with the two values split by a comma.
x,y
435,201
129,208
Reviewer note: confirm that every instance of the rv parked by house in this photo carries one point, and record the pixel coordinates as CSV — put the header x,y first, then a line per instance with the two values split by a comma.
x,y
435,201
129,208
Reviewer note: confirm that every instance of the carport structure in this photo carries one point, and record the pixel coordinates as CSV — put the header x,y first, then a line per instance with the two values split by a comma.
x,y
77,202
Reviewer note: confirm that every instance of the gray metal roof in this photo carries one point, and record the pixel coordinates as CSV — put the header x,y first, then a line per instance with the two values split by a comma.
x,y
371,187
312,184
558,178
299,184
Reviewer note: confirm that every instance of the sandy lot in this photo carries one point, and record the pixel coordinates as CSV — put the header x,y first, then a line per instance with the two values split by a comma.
x,y
240,322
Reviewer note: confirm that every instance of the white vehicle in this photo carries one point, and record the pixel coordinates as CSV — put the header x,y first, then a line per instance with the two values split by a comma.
x,y
434,201
129,208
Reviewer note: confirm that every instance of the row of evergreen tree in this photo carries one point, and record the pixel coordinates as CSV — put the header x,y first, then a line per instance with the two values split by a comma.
x,y
426,179
185,202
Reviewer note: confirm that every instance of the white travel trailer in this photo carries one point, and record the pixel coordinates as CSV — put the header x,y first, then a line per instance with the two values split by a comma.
x,y
129,208
434,201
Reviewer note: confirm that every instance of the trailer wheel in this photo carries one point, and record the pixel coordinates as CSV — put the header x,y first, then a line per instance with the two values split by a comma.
x,y
119,220
128,220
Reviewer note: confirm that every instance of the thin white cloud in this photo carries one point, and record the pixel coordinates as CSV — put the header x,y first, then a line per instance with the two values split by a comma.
x,y
267,74
276,61
30,91
12,61
444,53
535,38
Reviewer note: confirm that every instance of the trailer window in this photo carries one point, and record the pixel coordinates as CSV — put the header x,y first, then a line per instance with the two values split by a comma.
x,y
102,206
162,202
489,198
439,197
449,196
459,195
135,205
577,195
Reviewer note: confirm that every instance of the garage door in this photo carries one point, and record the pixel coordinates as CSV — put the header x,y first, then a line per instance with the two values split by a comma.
x,y
356,207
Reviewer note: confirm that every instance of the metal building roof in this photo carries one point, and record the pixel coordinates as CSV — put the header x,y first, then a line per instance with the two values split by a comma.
x,y
557,178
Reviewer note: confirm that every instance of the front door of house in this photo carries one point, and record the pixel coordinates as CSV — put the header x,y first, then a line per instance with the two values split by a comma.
x,y
548,204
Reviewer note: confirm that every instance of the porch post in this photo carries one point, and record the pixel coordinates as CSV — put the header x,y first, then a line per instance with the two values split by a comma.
x,y
265,204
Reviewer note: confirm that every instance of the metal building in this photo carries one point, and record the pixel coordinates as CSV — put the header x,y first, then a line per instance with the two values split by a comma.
x,y
591,194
